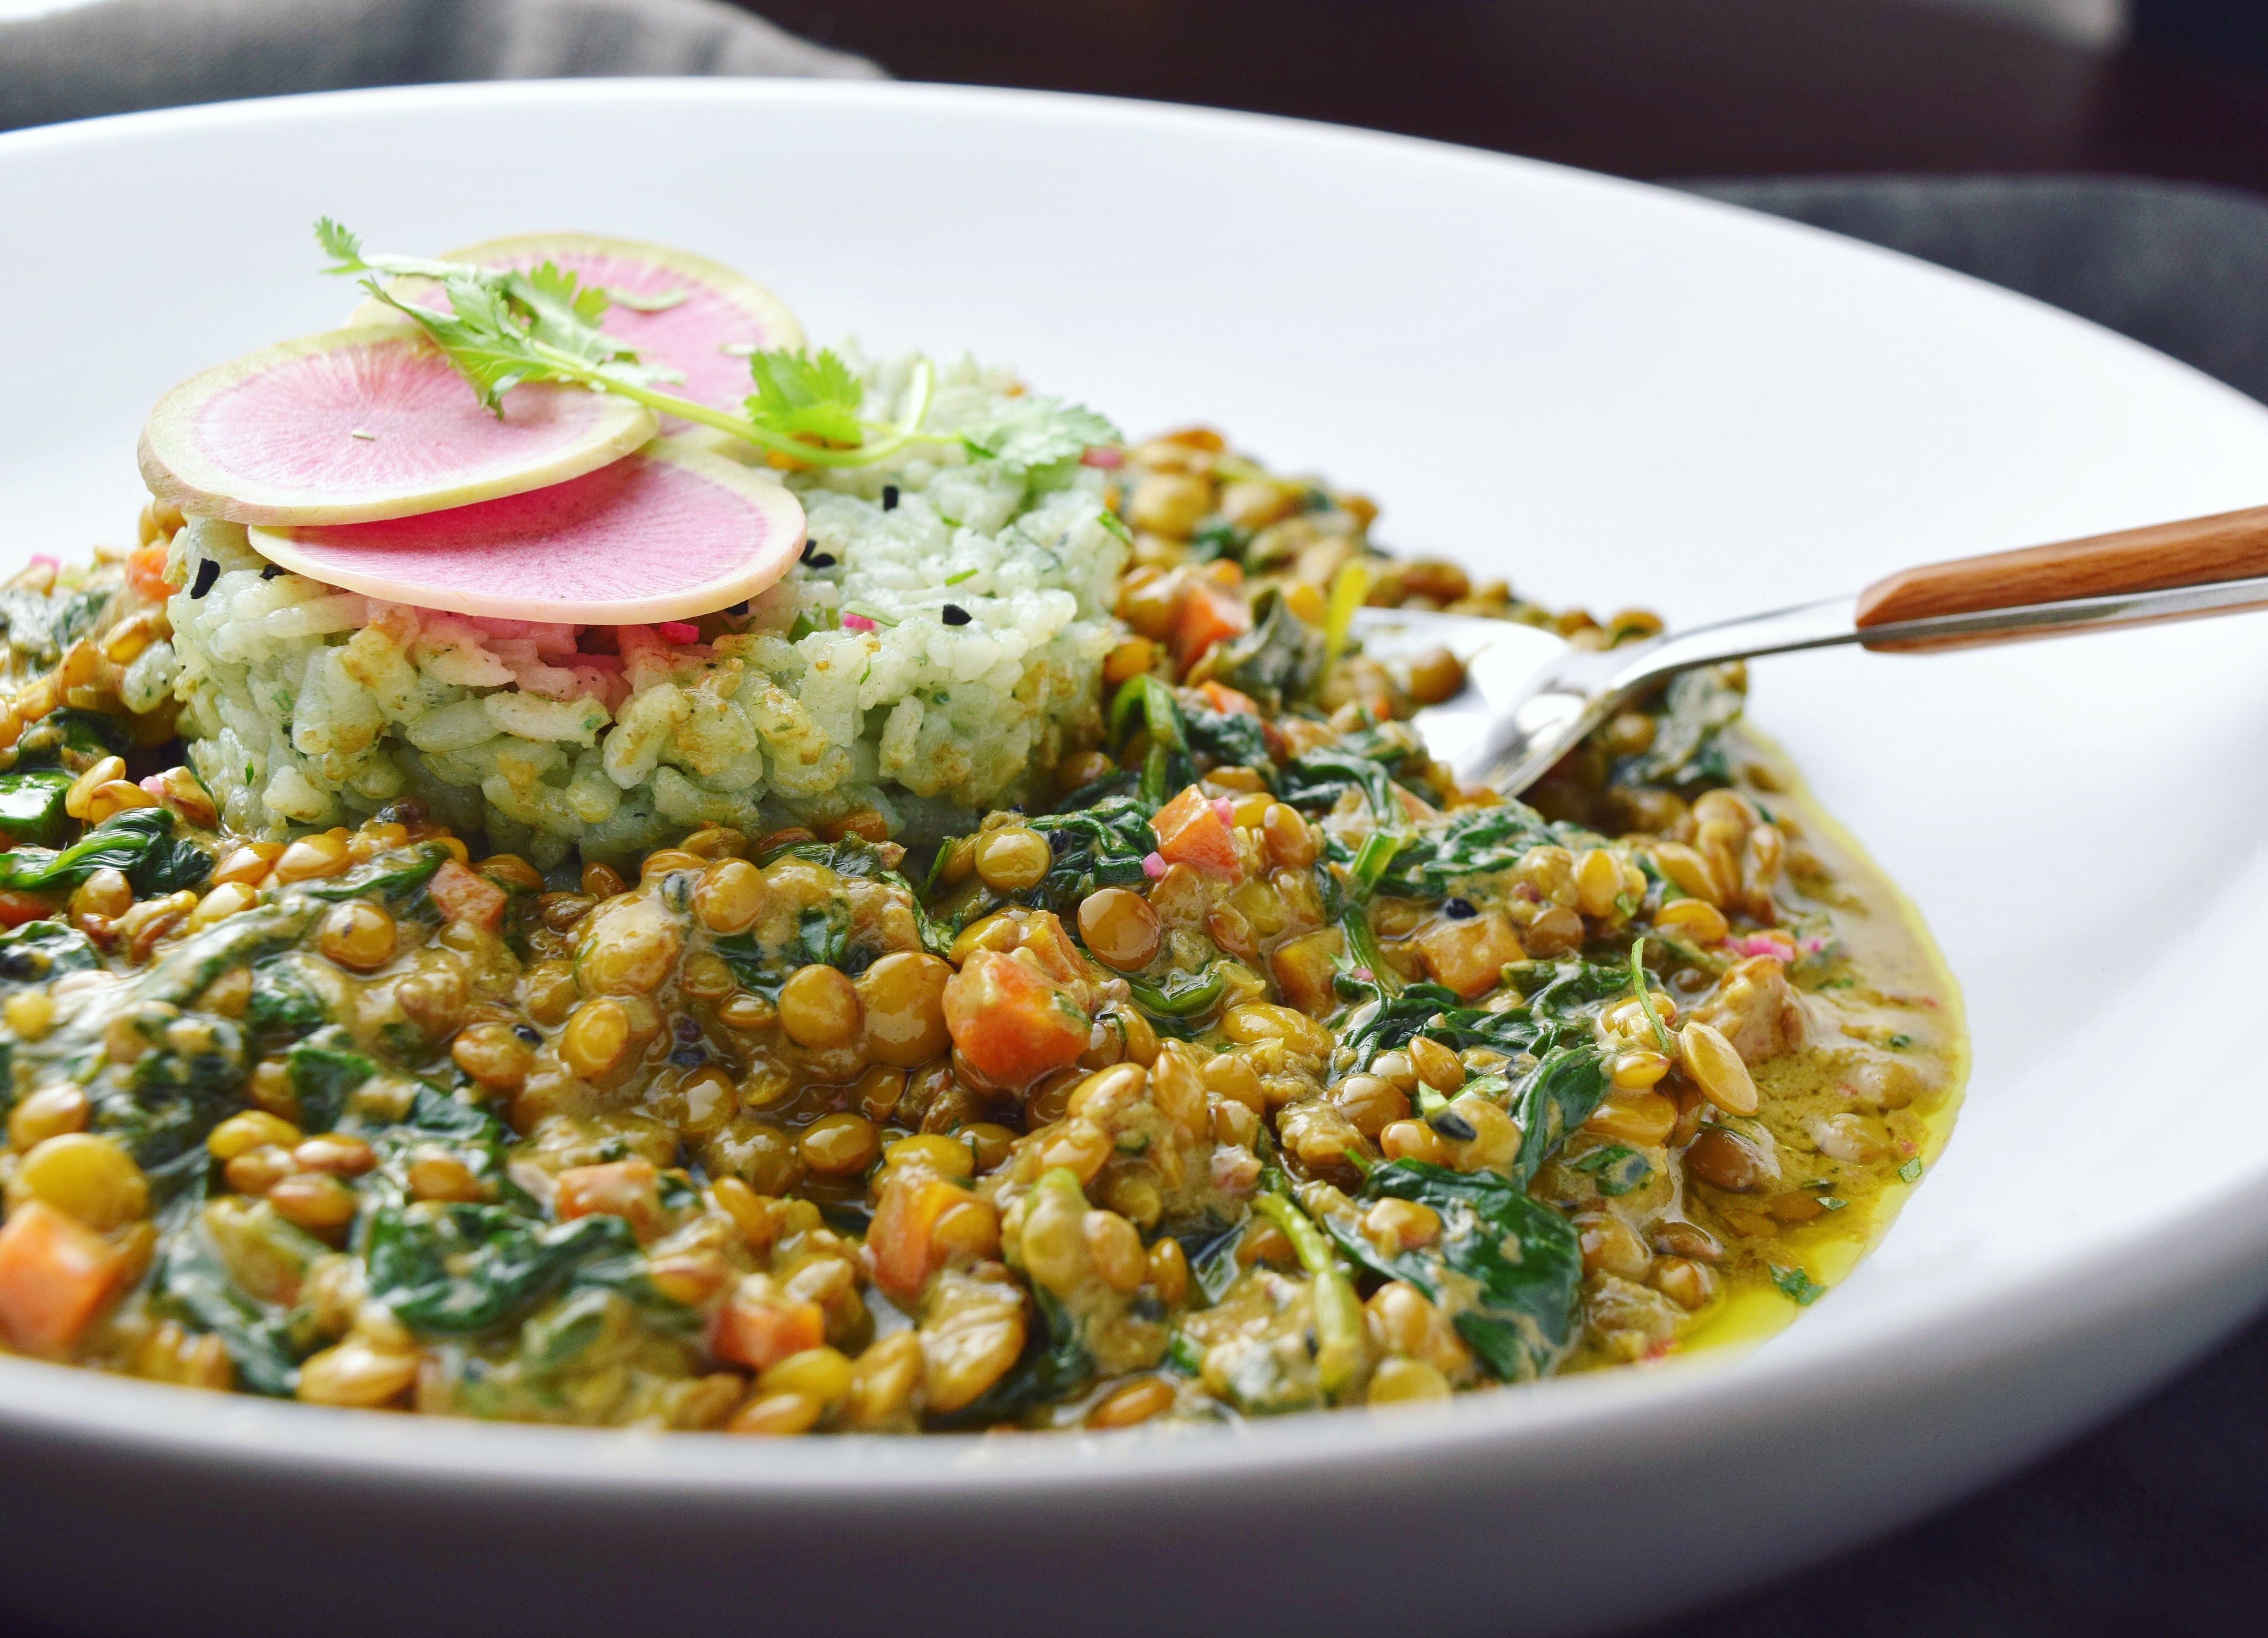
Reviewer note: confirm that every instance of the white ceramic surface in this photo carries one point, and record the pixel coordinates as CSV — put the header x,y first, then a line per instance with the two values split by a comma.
x,y
1612,394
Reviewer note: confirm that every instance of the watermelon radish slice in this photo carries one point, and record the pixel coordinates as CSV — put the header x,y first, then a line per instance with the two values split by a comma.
x,y
667,534
365,423
723,317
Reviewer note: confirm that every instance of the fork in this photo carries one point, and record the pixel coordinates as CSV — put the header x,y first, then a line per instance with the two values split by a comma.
x,y
1530,696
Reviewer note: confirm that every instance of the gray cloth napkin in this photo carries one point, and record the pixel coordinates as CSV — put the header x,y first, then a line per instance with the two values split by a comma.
x,y
119,56
2178,265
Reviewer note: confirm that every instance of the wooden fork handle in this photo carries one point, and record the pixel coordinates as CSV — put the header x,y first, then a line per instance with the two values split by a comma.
x,y
2228,546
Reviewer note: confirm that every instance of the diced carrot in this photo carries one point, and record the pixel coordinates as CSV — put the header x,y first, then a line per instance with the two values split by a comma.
x,y
1303,969
1042,933
760,1325
628,1189
1469,955
1227,700
54,1276
16,908
1008,1023
911,1202
465,897
145,572
1192,831
1209,614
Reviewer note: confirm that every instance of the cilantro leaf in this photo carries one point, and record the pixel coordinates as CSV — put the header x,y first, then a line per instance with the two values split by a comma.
x,y
1038,432
492,355
797,393
341,245
512,326
562,310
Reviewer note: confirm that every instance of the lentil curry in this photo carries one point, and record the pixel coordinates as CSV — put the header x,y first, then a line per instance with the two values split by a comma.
x,y
1247,1065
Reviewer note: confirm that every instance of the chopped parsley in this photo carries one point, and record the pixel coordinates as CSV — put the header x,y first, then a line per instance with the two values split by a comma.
x,y
1800,1287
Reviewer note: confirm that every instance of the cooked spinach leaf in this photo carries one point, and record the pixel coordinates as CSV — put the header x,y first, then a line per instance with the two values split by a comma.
x,y
1181,994
1473,841
75,613
394,880
1555,994
1551,1034
462,1270
1562,1092
1362,762
1687,751
161,1109
1210,1253
324,1074
282,1002
1102,846
88,733
823,932
38,950
1514,1260
1229,736
140,843
1054,1364
192,1284
1279,661
434,1111
32,806
1167,766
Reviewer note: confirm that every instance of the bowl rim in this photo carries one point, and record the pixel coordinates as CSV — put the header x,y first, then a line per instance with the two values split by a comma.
x,y
1941,1335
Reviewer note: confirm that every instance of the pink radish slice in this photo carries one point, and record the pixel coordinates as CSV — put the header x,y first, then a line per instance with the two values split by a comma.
x,y
667,534
722,308
366,423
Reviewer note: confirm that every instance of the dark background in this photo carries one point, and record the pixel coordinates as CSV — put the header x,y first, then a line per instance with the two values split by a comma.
x,y
1645,88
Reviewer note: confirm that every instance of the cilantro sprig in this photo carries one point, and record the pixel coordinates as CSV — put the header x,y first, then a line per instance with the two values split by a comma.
x,y
509,325
512,326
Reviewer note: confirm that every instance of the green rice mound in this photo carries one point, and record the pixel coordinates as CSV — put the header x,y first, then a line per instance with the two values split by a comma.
x,y
305,705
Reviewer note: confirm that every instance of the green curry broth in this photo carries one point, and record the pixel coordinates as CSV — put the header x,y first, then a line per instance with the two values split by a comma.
x,y
1247,1066
1883,987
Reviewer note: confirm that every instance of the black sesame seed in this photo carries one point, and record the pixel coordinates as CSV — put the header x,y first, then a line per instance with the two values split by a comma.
x,y
271,572
820,560
687,1057
1454,1127
208,572
1459,909
686,1030
740,608
955,615
809,546
529,1034
890,497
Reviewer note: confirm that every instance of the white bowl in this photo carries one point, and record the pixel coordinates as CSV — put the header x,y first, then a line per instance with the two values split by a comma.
x,y
1614,395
